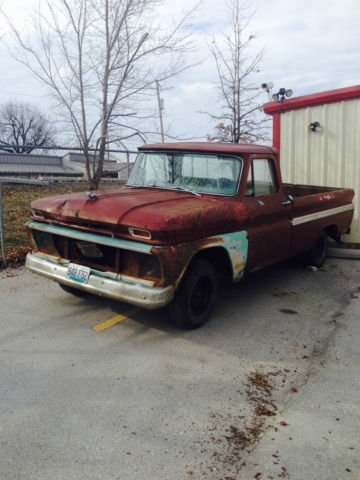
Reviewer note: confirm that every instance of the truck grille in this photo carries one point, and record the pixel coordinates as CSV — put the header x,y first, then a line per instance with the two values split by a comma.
x,y
97,256
86,253
89,250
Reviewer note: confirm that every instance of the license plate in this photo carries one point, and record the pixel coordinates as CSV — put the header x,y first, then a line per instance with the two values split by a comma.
x,y
78,273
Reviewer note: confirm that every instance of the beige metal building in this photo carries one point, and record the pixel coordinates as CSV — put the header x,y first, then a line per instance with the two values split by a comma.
x,y
319,140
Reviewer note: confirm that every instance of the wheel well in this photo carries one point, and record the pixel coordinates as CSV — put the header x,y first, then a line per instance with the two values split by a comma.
x,y
332,231
219,258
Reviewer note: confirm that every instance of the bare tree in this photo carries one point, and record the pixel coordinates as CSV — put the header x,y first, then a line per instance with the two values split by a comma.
x,y
241,118
21,125
100,59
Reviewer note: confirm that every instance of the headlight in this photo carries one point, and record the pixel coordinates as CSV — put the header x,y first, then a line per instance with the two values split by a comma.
x,y
36,214
136,264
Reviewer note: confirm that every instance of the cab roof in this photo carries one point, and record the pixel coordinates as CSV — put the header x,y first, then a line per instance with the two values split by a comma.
x,y
211,147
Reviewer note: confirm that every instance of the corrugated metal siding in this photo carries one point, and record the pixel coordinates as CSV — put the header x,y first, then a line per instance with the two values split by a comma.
x,y
9,169
15,158
330,157
71,164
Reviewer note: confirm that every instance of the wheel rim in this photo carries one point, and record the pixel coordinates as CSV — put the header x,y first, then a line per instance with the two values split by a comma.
x,y
200,296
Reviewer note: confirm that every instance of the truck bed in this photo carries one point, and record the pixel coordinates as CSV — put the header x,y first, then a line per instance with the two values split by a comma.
x,y
305,190
315,209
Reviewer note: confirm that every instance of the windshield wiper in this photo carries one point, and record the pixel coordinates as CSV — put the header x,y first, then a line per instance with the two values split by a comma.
x,y
141,186
183,189
176,187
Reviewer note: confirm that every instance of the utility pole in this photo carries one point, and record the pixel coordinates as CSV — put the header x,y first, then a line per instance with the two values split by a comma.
x,y
161,108
2,232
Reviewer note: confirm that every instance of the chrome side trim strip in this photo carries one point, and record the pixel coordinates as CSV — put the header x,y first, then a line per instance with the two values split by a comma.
x,y
325,213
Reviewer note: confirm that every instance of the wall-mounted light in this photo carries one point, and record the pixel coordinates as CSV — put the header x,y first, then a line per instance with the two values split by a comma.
x,y
314,126
282,93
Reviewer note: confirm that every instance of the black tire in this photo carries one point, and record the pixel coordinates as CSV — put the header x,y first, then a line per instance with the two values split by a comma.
x,y
196,297
317,255
72,291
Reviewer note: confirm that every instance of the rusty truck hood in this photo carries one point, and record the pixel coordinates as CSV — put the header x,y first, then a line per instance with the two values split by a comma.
x,y
170,216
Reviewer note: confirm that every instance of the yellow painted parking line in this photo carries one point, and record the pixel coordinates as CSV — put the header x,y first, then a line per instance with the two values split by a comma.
x,y
113,321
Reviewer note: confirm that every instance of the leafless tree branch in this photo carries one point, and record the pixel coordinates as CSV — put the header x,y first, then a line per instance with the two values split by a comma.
x,y
241,118
22,124
99,58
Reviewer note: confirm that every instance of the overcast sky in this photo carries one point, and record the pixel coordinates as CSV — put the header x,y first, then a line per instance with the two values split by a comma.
x,y
309,47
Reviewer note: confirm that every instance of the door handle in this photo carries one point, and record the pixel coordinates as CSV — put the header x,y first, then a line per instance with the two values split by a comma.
x,y
285,204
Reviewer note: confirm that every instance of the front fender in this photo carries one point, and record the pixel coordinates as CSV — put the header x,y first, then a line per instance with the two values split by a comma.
x,y
175,259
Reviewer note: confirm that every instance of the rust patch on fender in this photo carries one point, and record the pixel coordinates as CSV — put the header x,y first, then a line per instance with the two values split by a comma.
x,y
175,259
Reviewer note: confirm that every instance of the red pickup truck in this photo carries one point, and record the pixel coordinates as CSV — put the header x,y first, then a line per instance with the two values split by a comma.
x,y
188,212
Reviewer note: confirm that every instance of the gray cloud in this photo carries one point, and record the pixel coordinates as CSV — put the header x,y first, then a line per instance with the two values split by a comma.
x,y
309,47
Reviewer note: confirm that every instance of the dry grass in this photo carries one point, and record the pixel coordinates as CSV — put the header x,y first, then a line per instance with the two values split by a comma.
x,y
16,210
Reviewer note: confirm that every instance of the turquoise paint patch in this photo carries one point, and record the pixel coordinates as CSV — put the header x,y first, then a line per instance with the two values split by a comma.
x,y
236,244
91,237
50,259
120,277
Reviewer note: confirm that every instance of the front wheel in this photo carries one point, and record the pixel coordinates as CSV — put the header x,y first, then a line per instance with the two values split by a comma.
x,y
196,296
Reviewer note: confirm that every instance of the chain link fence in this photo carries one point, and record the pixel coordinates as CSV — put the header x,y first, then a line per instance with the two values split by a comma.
x,y
58,164
62,163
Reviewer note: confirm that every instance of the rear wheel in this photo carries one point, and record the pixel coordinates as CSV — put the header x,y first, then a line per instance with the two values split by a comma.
x,y
72,291
317,255
196,296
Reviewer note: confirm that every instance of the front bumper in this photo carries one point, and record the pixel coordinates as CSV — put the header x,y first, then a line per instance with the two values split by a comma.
x,y
133,293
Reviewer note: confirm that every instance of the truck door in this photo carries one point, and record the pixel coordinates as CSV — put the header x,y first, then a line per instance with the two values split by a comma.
x,y
269,209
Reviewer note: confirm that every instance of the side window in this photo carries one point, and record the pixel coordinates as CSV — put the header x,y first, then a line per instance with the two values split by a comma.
x,y
262,178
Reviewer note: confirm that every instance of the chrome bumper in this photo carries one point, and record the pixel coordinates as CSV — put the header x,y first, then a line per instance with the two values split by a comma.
x,y
134,293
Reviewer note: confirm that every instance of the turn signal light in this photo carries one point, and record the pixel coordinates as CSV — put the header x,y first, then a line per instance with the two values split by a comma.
x,y
140,233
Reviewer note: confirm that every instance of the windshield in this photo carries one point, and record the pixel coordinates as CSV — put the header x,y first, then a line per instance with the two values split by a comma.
x,y
202,173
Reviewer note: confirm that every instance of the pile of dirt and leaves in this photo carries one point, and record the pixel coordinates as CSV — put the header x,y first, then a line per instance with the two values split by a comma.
x,y
16,211
15,256
232,437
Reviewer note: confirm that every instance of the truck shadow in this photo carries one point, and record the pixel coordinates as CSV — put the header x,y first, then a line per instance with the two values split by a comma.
x,y
271,315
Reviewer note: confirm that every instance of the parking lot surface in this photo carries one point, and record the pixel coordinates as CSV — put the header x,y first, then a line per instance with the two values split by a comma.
x,y
267,389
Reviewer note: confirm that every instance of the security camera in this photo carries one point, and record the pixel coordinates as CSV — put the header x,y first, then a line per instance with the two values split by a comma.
x,y
267,87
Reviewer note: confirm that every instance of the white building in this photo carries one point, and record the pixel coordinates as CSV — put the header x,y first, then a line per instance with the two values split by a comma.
x,y
318,137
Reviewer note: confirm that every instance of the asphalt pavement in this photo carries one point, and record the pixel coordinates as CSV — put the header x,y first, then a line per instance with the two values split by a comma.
x,y
318,436
267,389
